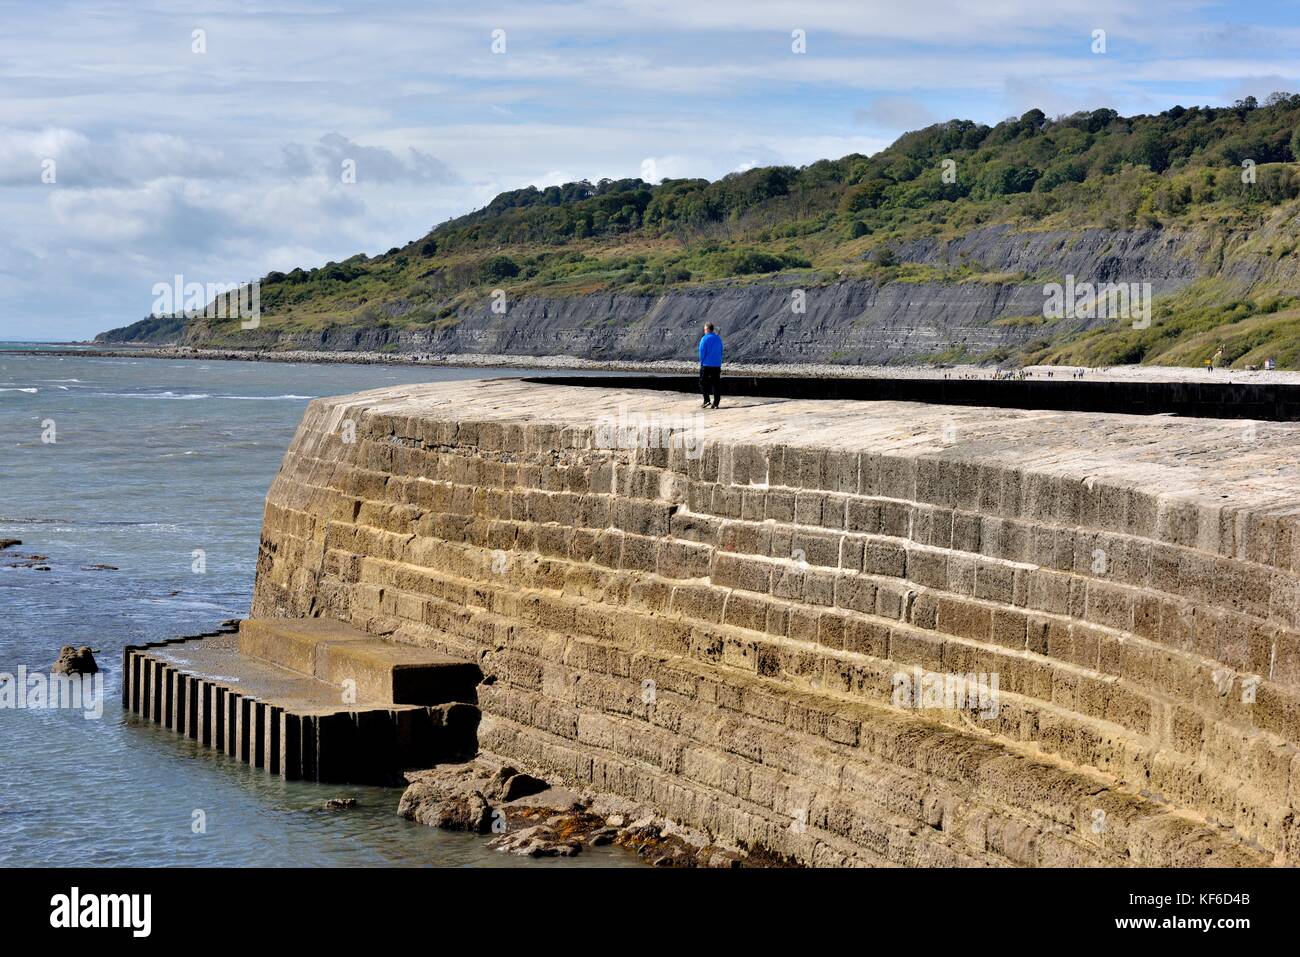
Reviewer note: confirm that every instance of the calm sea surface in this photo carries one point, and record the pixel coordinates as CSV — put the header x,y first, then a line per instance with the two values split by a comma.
x,y
152,460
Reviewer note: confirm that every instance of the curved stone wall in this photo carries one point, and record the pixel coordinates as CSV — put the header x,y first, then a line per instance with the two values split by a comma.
x,y
726,615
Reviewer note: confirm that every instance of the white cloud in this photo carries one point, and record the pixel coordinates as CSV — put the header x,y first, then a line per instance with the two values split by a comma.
x,y
333,152
897,113
226,164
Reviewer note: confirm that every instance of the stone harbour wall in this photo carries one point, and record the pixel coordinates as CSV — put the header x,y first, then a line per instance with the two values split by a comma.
x,y
715,613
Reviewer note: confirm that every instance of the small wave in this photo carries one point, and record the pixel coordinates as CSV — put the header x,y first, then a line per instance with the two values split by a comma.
x,y
28,390
13,520
155,395
265,398
288,397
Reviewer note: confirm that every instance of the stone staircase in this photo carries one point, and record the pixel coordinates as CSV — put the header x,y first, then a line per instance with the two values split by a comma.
x,y
722,635
309,699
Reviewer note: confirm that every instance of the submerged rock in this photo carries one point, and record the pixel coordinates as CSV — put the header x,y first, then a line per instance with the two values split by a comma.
x,y
75,661
537,841
20,560
340,804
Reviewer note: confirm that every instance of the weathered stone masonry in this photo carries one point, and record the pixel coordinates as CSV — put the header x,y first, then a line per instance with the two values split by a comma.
x,y
717,634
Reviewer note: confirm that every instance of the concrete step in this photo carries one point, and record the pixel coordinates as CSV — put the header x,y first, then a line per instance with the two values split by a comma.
x,y
378,670
296,724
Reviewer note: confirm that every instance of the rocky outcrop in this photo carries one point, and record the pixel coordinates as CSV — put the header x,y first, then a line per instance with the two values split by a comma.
x,y
465,797
835,632
529,818
75,661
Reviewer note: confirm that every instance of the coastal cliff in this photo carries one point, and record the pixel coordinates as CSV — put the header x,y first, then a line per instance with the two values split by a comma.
x,y
845,633
978,296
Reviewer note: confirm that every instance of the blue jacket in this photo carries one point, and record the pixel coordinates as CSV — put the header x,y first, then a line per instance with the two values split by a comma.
x,y
711,350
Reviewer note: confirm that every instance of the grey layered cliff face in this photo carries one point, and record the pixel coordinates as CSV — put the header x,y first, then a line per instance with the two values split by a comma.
x,y
1094,255
856,321
860,322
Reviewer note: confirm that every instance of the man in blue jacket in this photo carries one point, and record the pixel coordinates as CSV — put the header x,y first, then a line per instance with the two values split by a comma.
x,y
711,365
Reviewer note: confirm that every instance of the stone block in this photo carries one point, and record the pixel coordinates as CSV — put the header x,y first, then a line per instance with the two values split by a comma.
x,y
964,618
862,515
866,637
780,505
1009,628
788,582
925,567
890,560
678,559
816,548
855,593
994,582
819,587
734,571
808,508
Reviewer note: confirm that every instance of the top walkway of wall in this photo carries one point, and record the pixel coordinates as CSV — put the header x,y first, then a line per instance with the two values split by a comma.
x,y
1206,395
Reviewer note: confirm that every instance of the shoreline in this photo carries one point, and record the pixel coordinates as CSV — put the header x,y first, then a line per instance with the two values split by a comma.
x,y
562,363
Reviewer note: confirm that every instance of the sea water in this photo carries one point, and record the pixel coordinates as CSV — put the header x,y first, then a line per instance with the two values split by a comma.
x,y
144,465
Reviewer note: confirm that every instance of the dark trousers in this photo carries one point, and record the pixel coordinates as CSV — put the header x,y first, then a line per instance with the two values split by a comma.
x,y
711,384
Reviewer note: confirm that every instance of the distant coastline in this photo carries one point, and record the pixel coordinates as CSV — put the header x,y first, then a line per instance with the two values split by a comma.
x,y
1146,373
460,360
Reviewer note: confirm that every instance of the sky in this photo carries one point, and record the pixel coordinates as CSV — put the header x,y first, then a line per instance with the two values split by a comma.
x,y
142,140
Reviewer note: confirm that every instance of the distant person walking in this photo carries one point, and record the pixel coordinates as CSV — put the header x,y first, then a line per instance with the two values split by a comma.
x,y
711,366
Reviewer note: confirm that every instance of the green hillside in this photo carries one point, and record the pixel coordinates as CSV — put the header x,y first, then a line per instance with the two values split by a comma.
x,y
845,218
